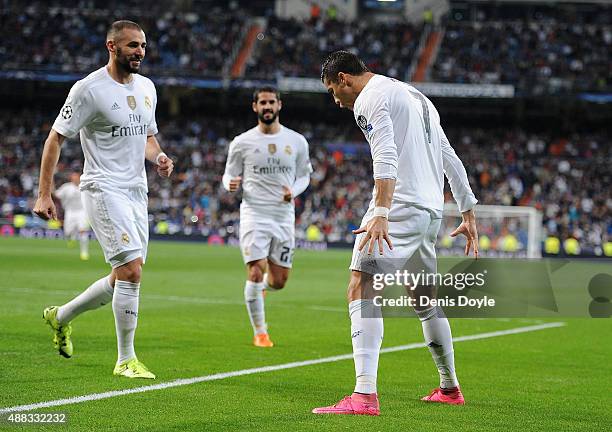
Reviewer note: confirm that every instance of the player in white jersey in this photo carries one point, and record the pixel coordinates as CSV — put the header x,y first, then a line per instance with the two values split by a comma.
x,y
411,155
272,163
113,111
75,218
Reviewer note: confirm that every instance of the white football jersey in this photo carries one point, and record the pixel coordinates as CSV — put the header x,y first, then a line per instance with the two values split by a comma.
x,y
267,162
70,196
408,144
114,121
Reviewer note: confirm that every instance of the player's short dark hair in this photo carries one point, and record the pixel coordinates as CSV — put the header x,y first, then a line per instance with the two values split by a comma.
x,y
342,61
118,26
265,89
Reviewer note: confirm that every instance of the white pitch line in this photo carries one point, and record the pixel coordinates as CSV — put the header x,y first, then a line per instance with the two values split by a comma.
x,y
224,375
173,298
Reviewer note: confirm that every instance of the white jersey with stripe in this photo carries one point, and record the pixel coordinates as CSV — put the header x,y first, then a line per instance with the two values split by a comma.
x,y
113,121
408,144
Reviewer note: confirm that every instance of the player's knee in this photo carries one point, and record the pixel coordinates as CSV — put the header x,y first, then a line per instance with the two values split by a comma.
x,y
360,287
133,274
255,273
130,272
354,287
278,281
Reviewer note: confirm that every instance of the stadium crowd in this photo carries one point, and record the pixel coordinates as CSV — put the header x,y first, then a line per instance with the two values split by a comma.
x,y
545,52
566,177
294,48
71,37
541,53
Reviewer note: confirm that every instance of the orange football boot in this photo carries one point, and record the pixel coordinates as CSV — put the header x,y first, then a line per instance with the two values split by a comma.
x,y
262,340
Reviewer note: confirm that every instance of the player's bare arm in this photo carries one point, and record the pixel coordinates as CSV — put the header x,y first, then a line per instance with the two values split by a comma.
x,y
377,228
469,230
154,154
45,207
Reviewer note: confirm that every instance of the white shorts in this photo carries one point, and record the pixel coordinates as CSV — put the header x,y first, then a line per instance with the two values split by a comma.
x,y
413,231
276,243
120,221
75,222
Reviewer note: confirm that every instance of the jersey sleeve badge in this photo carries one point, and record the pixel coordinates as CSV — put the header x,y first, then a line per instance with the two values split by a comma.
x,y
363,124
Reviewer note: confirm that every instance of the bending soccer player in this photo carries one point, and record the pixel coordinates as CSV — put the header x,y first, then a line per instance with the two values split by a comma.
x,y
271,162
411,155
113,111
75,219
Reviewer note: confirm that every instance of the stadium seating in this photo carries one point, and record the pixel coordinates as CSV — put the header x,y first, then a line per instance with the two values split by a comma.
x,y
294,48
566,177
193,42
538,52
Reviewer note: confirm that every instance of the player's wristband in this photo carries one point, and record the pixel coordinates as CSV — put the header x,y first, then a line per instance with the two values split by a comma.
x,y
381,212
158,156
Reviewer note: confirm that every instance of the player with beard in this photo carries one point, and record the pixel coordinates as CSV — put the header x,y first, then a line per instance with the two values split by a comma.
x,y
271,162
113,111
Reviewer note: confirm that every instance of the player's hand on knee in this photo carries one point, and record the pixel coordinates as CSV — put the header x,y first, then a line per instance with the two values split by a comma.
x,y
234,184
469,230
377,231
165,166
45,208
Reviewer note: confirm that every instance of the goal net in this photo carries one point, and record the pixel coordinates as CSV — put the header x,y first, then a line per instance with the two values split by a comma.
x,y
504,231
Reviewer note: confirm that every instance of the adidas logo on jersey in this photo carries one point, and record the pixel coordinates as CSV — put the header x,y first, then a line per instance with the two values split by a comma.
x,y
115,106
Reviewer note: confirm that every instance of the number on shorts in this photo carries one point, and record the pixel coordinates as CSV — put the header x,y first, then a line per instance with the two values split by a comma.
x,y
284,256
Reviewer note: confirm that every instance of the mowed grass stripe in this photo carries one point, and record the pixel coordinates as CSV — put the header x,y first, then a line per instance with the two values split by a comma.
x,y
264,369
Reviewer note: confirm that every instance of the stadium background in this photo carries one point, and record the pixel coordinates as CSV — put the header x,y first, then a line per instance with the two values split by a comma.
x,y
524,90
525,94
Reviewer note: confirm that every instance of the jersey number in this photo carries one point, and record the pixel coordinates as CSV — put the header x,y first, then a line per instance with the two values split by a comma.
x,y
284,257
420,97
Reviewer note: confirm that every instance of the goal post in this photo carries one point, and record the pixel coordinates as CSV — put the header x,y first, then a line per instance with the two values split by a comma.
x,y
511,231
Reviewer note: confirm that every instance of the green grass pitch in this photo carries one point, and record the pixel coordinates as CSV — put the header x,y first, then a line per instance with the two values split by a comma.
x,y
193,323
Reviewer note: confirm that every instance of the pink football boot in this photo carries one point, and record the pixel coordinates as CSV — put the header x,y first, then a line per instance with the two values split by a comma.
x,y
450,396
355,404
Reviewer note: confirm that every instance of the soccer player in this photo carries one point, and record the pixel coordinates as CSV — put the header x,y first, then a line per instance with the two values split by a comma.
x,y
75,219
272,163
113,111
411,155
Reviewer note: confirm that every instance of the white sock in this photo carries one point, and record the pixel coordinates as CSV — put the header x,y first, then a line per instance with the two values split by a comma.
x,y
366,334
439,339
97,294
266,285
253,297
84,241
125,308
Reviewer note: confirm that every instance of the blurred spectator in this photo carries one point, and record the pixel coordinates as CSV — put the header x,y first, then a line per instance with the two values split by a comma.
x,y
70,37
569,184
294,48
546,53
